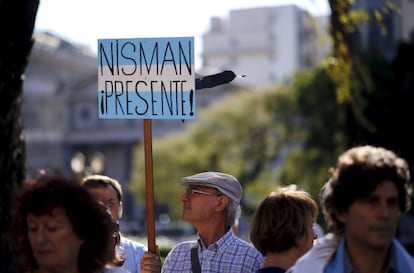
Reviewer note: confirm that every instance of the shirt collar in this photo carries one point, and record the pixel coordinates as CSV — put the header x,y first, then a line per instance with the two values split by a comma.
x,y
222,243
350,269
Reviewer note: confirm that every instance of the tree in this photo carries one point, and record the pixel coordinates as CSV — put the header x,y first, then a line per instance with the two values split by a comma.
x,y
323,127
350,73
373,97
323,112
17,23
391,102
241,135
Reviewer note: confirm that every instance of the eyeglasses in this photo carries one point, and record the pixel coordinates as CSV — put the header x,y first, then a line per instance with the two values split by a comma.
x,y
191,192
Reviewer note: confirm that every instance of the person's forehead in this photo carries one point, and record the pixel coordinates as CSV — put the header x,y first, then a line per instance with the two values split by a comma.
x,y
385,187
55,213
385,190
103,192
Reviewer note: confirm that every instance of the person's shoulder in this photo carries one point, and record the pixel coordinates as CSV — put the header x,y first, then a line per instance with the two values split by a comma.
x,y
183,246
244,247
402,257
318,256
128,243
324,247
181,249
241,242
186,244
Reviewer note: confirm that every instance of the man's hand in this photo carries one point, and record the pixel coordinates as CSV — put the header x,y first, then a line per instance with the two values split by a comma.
x,y
150,263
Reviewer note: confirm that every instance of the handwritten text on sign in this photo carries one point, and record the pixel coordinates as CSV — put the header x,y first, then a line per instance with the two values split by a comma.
x,y
150,78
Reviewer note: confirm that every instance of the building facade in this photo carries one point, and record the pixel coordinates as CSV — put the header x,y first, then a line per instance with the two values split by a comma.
x,y
267,44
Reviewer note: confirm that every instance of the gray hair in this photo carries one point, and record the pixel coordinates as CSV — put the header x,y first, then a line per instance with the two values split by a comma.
x,y
233,212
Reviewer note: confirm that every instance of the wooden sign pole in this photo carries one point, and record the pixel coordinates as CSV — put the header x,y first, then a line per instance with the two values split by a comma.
x,y
149,185
114,98
205,82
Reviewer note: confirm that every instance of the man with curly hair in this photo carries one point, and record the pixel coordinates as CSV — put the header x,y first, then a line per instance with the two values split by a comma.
x,y
362,202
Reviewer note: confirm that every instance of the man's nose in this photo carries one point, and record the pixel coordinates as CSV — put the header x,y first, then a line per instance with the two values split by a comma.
x,y
184,196
384,210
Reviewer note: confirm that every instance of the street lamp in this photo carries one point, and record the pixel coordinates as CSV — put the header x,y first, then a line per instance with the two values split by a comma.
x,y
78,164
97,162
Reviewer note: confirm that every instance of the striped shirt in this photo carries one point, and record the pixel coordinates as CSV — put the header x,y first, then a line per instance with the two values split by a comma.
x,y
132,252
228,255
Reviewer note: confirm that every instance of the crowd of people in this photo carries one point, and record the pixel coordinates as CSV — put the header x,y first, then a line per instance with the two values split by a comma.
x,y
61,225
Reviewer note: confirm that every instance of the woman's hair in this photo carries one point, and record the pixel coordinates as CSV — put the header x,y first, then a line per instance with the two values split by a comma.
x,y
358,172
90,220
280,221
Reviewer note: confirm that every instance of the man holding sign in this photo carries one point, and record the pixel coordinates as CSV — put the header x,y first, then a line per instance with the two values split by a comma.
x,y
211,202
108,191
153,78
146,78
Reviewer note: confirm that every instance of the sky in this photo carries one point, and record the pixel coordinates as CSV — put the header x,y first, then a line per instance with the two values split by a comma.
x,y
85,21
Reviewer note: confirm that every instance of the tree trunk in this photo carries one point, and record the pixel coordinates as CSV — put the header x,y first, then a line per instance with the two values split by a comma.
x,y
17,19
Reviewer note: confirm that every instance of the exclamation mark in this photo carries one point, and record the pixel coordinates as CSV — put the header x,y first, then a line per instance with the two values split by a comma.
x,y
191,102
102,102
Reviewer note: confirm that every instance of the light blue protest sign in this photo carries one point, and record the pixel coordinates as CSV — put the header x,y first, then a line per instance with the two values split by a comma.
x,y
146,78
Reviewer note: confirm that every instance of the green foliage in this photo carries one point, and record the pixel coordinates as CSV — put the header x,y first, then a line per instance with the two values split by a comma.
x,y
323,123
288,135
291,135
259,188
265,138
344,66
240,135
164,250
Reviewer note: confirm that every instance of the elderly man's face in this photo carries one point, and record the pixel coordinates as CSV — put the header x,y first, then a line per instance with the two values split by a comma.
x,y
200,204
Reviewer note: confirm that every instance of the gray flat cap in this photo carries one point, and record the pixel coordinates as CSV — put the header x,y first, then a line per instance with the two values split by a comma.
x,y
224,183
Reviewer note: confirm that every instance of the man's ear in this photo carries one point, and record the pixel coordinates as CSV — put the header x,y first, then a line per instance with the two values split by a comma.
x,y
222,202
120,210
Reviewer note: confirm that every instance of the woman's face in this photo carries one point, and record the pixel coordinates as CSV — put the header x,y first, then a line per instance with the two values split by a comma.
x,y
54,244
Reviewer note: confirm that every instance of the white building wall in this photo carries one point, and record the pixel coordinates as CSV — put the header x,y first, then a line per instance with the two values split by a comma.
x,y
262,43
286,51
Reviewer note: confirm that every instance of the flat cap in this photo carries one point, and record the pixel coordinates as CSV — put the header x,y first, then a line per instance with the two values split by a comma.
x,y
224,183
